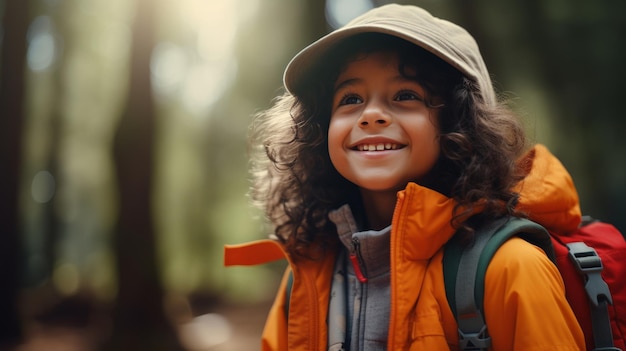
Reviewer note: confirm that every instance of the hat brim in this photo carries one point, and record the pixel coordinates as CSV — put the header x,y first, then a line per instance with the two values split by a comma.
x,y
444,39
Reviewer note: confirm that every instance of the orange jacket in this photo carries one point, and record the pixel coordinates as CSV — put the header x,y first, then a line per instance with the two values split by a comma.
x,y
521,281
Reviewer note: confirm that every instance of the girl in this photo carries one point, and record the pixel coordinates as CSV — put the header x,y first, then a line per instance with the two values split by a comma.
x,y
389,141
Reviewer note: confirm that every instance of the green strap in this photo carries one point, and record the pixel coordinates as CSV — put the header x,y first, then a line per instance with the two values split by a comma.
x,y
521,227
465,269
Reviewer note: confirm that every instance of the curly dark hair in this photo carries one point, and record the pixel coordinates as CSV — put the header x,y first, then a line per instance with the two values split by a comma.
x,y
296,184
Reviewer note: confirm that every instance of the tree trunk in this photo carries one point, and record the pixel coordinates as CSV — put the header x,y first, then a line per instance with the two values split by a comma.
x,y
139,319
12,84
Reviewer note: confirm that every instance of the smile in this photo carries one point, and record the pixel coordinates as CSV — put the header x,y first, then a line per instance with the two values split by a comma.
x,y
378,147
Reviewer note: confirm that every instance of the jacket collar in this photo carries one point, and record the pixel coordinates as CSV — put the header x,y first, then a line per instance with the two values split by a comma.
x,y
421,221
421,225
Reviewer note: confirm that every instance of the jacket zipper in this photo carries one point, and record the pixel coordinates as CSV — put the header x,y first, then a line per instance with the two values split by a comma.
x,y
355,258
393,248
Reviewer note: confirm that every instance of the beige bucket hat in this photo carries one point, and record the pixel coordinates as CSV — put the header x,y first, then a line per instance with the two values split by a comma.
x,y
448,41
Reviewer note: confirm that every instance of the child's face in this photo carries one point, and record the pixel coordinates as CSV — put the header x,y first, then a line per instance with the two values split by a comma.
x,y
381,134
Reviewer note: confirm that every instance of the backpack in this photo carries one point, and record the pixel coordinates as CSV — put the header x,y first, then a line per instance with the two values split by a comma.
x,y
592,262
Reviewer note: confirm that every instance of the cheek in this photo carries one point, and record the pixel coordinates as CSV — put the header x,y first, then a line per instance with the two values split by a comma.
x,y
336,138
425,135
333,144
435,141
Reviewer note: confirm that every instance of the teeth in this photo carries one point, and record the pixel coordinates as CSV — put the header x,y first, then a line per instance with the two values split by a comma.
x,y
377,147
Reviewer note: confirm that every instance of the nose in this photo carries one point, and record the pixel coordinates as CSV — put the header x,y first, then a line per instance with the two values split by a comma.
x,y
374,114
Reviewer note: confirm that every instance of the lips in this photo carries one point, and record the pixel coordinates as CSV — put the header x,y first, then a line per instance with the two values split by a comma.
x,y
378,147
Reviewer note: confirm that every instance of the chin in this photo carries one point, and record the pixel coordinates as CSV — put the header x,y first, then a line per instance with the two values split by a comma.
x,y
381,186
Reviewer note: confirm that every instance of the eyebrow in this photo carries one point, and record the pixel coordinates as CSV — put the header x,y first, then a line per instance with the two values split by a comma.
x,y
346,83
353,81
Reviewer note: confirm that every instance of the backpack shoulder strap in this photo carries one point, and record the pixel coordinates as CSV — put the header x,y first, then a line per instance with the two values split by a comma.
x,y
465,268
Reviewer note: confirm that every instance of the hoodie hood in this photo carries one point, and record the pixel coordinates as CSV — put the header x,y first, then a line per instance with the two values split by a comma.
x,y
444,39
547,193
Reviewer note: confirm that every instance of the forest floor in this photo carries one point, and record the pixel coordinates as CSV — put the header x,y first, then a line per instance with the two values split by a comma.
x,y
225,328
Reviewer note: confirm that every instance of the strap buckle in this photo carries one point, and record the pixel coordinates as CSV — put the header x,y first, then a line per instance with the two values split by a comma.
x,y
589,264
479,341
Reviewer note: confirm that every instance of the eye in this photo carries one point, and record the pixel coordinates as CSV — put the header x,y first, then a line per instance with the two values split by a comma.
x,y
408,95
350,99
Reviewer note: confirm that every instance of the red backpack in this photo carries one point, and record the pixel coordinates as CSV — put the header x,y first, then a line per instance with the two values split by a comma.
x,y
592,262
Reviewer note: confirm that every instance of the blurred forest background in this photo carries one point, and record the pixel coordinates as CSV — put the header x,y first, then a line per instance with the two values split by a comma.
x,y
124,163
